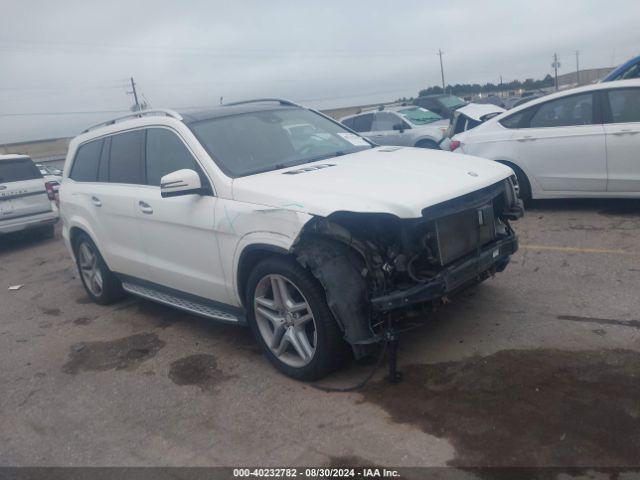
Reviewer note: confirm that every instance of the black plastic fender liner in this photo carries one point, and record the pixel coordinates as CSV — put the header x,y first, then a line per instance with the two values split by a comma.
x,y
339,269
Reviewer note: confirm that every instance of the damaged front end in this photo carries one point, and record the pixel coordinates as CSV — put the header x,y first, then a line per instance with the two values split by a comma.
x,y
376,266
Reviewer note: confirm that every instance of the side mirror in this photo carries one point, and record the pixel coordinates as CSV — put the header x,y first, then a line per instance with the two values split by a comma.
x,y
399,127
180,182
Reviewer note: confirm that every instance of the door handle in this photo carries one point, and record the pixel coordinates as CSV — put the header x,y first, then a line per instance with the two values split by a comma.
x,y
145,207
525,138
96,201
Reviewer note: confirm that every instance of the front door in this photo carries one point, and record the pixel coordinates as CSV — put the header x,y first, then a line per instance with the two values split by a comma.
x,y
622,128
177,233
390,129
564,147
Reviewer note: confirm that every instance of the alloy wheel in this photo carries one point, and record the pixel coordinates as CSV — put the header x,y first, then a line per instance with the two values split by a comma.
x,y
285,320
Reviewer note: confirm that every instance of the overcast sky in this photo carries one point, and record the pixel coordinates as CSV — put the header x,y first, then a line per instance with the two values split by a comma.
x,y
77,55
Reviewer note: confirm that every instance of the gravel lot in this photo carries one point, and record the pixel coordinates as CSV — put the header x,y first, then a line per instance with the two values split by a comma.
x,y
537,366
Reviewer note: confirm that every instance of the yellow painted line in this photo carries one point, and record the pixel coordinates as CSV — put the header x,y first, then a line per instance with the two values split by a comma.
x,y
577,250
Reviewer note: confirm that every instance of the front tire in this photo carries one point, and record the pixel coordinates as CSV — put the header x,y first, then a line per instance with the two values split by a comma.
x,y
102,286
289,317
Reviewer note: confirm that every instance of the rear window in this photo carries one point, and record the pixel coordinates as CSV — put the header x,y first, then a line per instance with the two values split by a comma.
x,y
512,121
452,102
419,116
85,165
18,170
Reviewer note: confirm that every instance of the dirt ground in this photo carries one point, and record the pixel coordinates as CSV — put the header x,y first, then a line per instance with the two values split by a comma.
x,y
539,366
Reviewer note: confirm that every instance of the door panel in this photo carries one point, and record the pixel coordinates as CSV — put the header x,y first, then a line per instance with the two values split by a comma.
x,y
563,146
623,139
179,240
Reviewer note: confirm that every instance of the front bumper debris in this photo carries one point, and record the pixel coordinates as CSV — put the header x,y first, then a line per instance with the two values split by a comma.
x,y
491,258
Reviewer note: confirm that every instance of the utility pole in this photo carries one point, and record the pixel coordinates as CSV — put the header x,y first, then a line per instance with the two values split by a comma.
x,y
441,68
136,107
556,65
501,92
578,67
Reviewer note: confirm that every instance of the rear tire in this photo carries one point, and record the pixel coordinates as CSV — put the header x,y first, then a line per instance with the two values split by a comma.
x,y
275,326
102,286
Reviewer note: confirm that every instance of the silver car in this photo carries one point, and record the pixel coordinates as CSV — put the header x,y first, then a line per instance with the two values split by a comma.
x,y
405,125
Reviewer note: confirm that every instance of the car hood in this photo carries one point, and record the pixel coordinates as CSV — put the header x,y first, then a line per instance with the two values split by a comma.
x,y
395,180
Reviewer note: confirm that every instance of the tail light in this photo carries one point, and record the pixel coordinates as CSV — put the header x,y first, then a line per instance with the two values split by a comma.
x,y
51,192
455,144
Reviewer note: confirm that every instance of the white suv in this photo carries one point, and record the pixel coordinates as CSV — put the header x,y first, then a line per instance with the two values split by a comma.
x,y
315,237
26,199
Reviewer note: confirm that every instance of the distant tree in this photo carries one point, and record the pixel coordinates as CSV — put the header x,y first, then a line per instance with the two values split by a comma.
x,y
475,88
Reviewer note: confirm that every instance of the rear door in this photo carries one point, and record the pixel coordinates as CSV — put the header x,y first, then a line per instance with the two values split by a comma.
x,y
107,174
622,128
22,189
562,144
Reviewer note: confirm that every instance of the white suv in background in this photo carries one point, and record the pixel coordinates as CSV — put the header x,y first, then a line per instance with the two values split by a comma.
x,y
582,142
26,199
271,214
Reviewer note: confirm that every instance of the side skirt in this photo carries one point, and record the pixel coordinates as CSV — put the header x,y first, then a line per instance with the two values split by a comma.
x,y
183,301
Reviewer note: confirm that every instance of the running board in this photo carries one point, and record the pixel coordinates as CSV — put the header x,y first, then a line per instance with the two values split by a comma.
x,y
191,306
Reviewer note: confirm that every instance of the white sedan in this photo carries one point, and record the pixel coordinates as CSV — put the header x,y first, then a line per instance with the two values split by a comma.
x,y
583,142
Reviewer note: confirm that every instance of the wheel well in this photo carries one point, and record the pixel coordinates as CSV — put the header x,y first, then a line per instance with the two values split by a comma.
x,y
249,258
74,233
516,169
424,141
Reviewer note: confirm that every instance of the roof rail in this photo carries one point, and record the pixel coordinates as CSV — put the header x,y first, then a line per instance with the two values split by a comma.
x,y
281,101
139,114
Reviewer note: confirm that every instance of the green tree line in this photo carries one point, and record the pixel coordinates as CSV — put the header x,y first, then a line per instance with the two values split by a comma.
x,y
462,89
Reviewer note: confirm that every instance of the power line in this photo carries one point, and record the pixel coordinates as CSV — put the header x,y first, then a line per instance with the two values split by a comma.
x,y
87,112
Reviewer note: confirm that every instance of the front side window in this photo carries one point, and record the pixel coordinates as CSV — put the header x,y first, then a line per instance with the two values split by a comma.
x,y
253,142
125,160
385,121
624,104
85,165
165,153
419,116
564,112
16,170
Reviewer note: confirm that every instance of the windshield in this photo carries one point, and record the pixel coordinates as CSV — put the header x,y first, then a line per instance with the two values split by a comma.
x,y
452,102
255,142
419,116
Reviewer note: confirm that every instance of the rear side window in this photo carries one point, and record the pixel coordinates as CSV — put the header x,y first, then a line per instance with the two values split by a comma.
x,y
348,122
18,170
165,153
362,123
125,159
564,112
624,105
85,165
